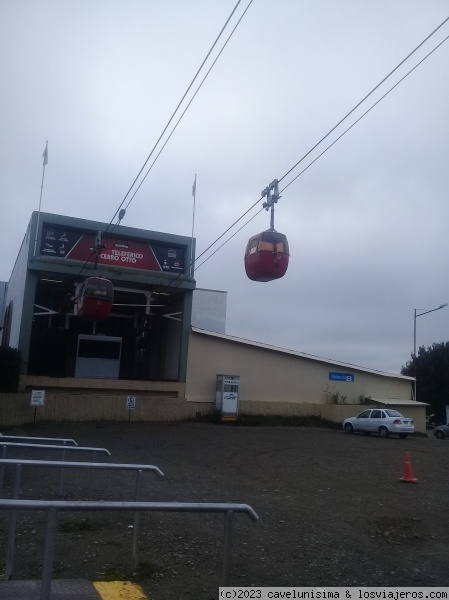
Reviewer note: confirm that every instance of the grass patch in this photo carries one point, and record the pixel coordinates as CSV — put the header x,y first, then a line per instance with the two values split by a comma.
x,y
272,421
287,421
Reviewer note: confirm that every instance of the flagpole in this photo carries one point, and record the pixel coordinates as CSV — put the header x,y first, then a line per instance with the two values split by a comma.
x,y
193,225
45,157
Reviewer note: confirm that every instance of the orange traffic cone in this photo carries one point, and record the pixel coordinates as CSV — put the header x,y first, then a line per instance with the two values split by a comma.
x,y
408,477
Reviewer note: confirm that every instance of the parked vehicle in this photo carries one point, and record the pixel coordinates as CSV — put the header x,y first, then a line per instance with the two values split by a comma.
x,y
441,431
384,421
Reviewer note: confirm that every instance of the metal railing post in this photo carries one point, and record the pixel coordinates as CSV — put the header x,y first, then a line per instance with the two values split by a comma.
x,y
2,470
84,465
12,527
93,460
136,516
54,507
227,547
61,477
47,567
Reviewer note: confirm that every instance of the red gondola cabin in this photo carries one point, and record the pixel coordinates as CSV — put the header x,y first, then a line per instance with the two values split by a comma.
x,y
266,256
95,299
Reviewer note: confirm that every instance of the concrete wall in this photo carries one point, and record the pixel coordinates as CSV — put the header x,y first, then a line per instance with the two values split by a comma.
x,y
15,409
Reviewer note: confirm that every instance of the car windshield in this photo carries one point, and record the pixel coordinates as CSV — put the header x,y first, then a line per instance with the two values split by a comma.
x,y
393,413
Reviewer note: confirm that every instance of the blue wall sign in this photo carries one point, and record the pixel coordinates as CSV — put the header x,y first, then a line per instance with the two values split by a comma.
x,y
341,377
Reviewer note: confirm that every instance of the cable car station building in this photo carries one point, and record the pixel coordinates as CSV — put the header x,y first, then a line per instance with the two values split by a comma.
x,y
141,345
163,342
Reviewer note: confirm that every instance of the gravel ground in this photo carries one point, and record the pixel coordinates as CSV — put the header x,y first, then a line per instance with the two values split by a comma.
x,y
332,509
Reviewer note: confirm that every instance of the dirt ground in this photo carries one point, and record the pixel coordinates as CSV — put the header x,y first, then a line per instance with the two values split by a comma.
x,y
332,509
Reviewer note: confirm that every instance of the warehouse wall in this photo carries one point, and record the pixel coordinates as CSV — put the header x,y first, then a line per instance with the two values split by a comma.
x,y
273,375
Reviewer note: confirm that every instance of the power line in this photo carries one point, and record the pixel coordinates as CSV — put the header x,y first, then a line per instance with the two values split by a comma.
x,y
365,113
363,99
308,153
188,105
229,239
119,211
174,112
328,147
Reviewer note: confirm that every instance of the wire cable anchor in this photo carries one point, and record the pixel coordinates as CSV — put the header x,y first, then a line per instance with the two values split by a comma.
x,y
272,194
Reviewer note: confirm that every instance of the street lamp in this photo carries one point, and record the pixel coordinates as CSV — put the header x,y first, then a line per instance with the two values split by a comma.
x,y
414,336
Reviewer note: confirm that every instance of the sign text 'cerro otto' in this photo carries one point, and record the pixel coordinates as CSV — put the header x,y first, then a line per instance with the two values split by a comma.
x,y
76,245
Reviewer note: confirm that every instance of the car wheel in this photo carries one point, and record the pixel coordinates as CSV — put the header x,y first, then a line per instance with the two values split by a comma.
x,y
402,435
439,435
349,428
383,432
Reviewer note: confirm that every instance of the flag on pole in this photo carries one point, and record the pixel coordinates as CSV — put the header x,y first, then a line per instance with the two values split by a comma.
x,y
45,155
194,187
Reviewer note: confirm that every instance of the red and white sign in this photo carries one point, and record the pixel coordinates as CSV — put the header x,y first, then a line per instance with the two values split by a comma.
x,y
117,252
122,252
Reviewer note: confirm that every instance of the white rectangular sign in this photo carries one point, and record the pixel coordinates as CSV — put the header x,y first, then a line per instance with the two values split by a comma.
x,y
37,397
130,402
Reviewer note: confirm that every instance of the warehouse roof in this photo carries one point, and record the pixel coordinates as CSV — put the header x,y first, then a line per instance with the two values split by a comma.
x,y
397,401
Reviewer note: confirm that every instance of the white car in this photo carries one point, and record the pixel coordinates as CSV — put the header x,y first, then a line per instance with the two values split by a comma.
x,y
383,421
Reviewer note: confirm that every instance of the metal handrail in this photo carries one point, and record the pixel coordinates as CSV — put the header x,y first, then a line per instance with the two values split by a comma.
x,y
13,438
63,449
55,447
54,506
80,465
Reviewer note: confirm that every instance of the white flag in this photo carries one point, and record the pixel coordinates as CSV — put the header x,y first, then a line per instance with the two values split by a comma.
x,y
194,187
45,155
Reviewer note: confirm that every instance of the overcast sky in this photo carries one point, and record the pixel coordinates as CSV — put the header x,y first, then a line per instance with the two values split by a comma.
x,y
367,223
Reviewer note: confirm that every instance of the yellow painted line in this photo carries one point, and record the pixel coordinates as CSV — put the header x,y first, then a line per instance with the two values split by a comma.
x,y
119,590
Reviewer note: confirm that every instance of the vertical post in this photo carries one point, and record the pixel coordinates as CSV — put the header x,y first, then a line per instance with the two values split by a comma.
x,y
94,459
272,194
45,157
47,567
227,549
137,516
414,356
61,476
2,470
12,526
193,226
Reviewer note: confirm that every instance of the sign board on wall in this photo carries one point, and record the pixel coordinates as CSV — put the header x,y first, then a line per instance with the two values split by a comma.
x,y
349,377
77,245
37,398
130,402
